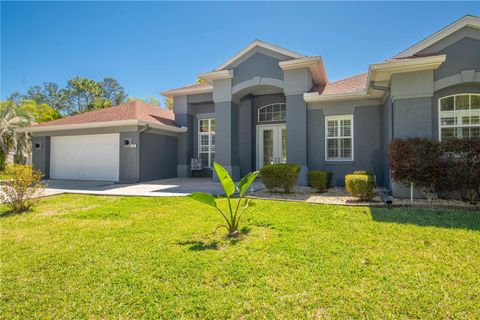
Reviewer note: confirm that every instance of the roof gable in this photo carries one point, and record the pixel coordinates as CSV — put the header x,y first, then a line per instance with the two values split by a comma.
x,y
258,46
467,21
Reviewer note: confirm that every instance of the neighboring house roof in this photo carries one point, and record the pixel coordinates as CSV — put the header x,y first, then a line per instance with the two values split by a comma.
x,y
128,113
197,88
352,84
466,21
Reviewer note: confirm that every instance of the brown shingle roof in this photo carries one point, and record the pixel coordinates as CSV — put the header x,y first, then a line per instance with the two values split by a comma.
x,y
348,85
133,110
202,86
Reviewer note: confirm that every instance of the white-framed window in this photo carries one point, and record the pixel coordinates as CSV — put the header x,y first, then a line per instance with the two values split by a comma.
x,y
206,141
459,116
339,138
272,112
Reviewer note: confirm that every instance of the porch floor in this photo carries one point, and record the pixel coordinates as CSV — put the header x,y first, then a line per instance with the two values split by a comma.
x,y
157,188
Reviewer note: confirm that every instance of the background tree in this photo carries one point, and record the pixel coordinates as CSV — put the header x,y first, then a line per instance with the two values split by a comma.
x,y
83,95
80,95
151,100
168,103
49,94
113,91
39,112
15,97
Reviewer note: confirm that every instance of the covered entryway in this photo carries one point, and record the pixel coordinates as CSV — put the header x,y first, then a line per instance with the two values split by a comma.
x,y
85,157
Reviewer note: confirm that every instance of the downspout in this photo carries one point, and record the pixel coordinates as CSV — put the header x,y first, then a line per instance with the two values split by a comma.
x,y
145,128
379,88
390,119
390,107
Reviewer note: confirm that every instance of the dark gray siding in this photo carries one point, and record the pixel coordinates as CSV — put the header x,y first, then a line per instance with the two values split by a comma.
x,y
368,140
462,55
386,129
412,118
41,156
257,65
297,135
129,158
246,137
158,156
185,140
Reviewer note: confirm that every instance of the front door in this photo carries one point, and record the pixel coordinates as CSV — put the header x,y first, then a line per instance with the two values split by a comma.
x,y
272,144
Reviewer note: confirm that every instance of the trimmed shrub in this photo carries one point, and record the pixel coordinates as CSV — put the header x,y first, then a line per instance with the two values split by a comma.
x,y
449,167
370,173
319,179
360,186
21,191
417,161
280,175
461,168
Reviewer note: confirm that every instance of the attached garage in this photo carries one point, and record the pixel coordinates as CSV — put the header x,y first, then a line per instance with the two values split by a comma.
x,y
128,143
85,157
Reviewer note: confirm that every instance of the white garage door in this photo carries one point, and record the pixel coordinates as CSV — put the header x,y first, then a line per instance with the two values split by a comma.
x,y
85,157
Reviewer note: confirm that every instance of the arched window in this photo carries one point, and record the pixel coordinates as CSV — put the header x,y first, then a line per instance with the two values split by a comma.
x,y
459,116
272,112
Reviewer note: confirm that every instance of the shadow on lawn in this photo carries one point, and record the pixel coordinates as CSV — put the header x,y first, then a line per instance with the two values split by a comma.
x,y
197,245
200,245
9,213
428,218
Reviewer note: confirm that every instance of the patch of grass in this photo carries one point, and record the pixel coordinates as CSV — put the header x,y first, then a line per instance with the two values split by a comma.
x,y
78,256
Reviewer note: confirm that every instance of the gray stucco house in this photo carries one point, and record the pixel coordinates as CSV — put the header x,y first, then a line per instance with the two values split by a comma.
x,y
267,104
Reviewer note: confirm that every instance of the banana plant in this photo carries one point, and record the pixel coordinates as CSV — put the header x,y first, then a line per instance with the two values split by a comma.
x,y
235,211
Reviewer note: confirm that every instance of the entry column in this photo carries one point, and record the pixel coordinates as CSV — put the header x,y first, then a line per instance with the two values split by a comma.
x,y
226,122
297,81
184,118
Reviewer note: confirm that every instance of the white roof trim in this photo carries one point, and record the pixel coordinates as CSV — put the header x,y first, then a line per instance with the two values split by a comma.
x,y
383,71
102,124
315,64
299,63
216,75
258,43
316,97
186,91
470,21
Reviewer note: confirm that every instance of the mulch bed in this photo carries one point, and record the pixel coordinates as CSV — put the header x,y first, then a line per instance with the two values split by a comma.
x,y
339,196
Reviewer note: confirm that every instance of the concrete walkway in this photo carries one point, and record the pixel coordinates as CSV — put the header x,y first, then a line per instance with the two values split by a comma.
x,y
157,188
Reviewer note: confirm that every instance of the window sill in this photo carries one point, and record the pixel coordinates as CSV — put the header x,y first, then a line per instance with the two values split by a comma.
x,y
339,162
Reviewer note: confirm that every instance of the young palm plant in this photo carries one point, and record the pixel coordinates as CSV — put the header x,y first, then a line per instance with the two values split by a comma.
x,y
11,118
235,211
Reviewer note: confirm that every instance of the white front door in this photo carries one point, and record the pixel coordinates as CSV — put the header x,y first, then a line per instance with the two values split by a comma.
x,y
272,144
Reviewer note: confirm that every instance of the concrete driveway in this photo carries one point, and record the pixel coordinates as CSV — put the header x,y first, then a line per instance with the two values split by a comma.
x,y
157,188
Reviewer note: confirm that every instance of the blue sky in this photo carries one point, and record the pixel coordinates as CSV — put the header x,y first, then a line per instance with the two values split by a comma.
x,y
153,46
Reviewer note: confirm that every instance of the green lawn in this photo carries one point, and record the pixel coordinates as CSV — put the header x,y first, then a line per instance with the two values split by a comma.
x,y
81,256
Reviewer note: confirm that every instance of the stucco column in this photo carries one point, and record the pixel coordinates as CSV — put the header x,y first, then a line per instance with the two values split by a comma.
x,y
184,118
226,142
297,135
297,82
226,131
